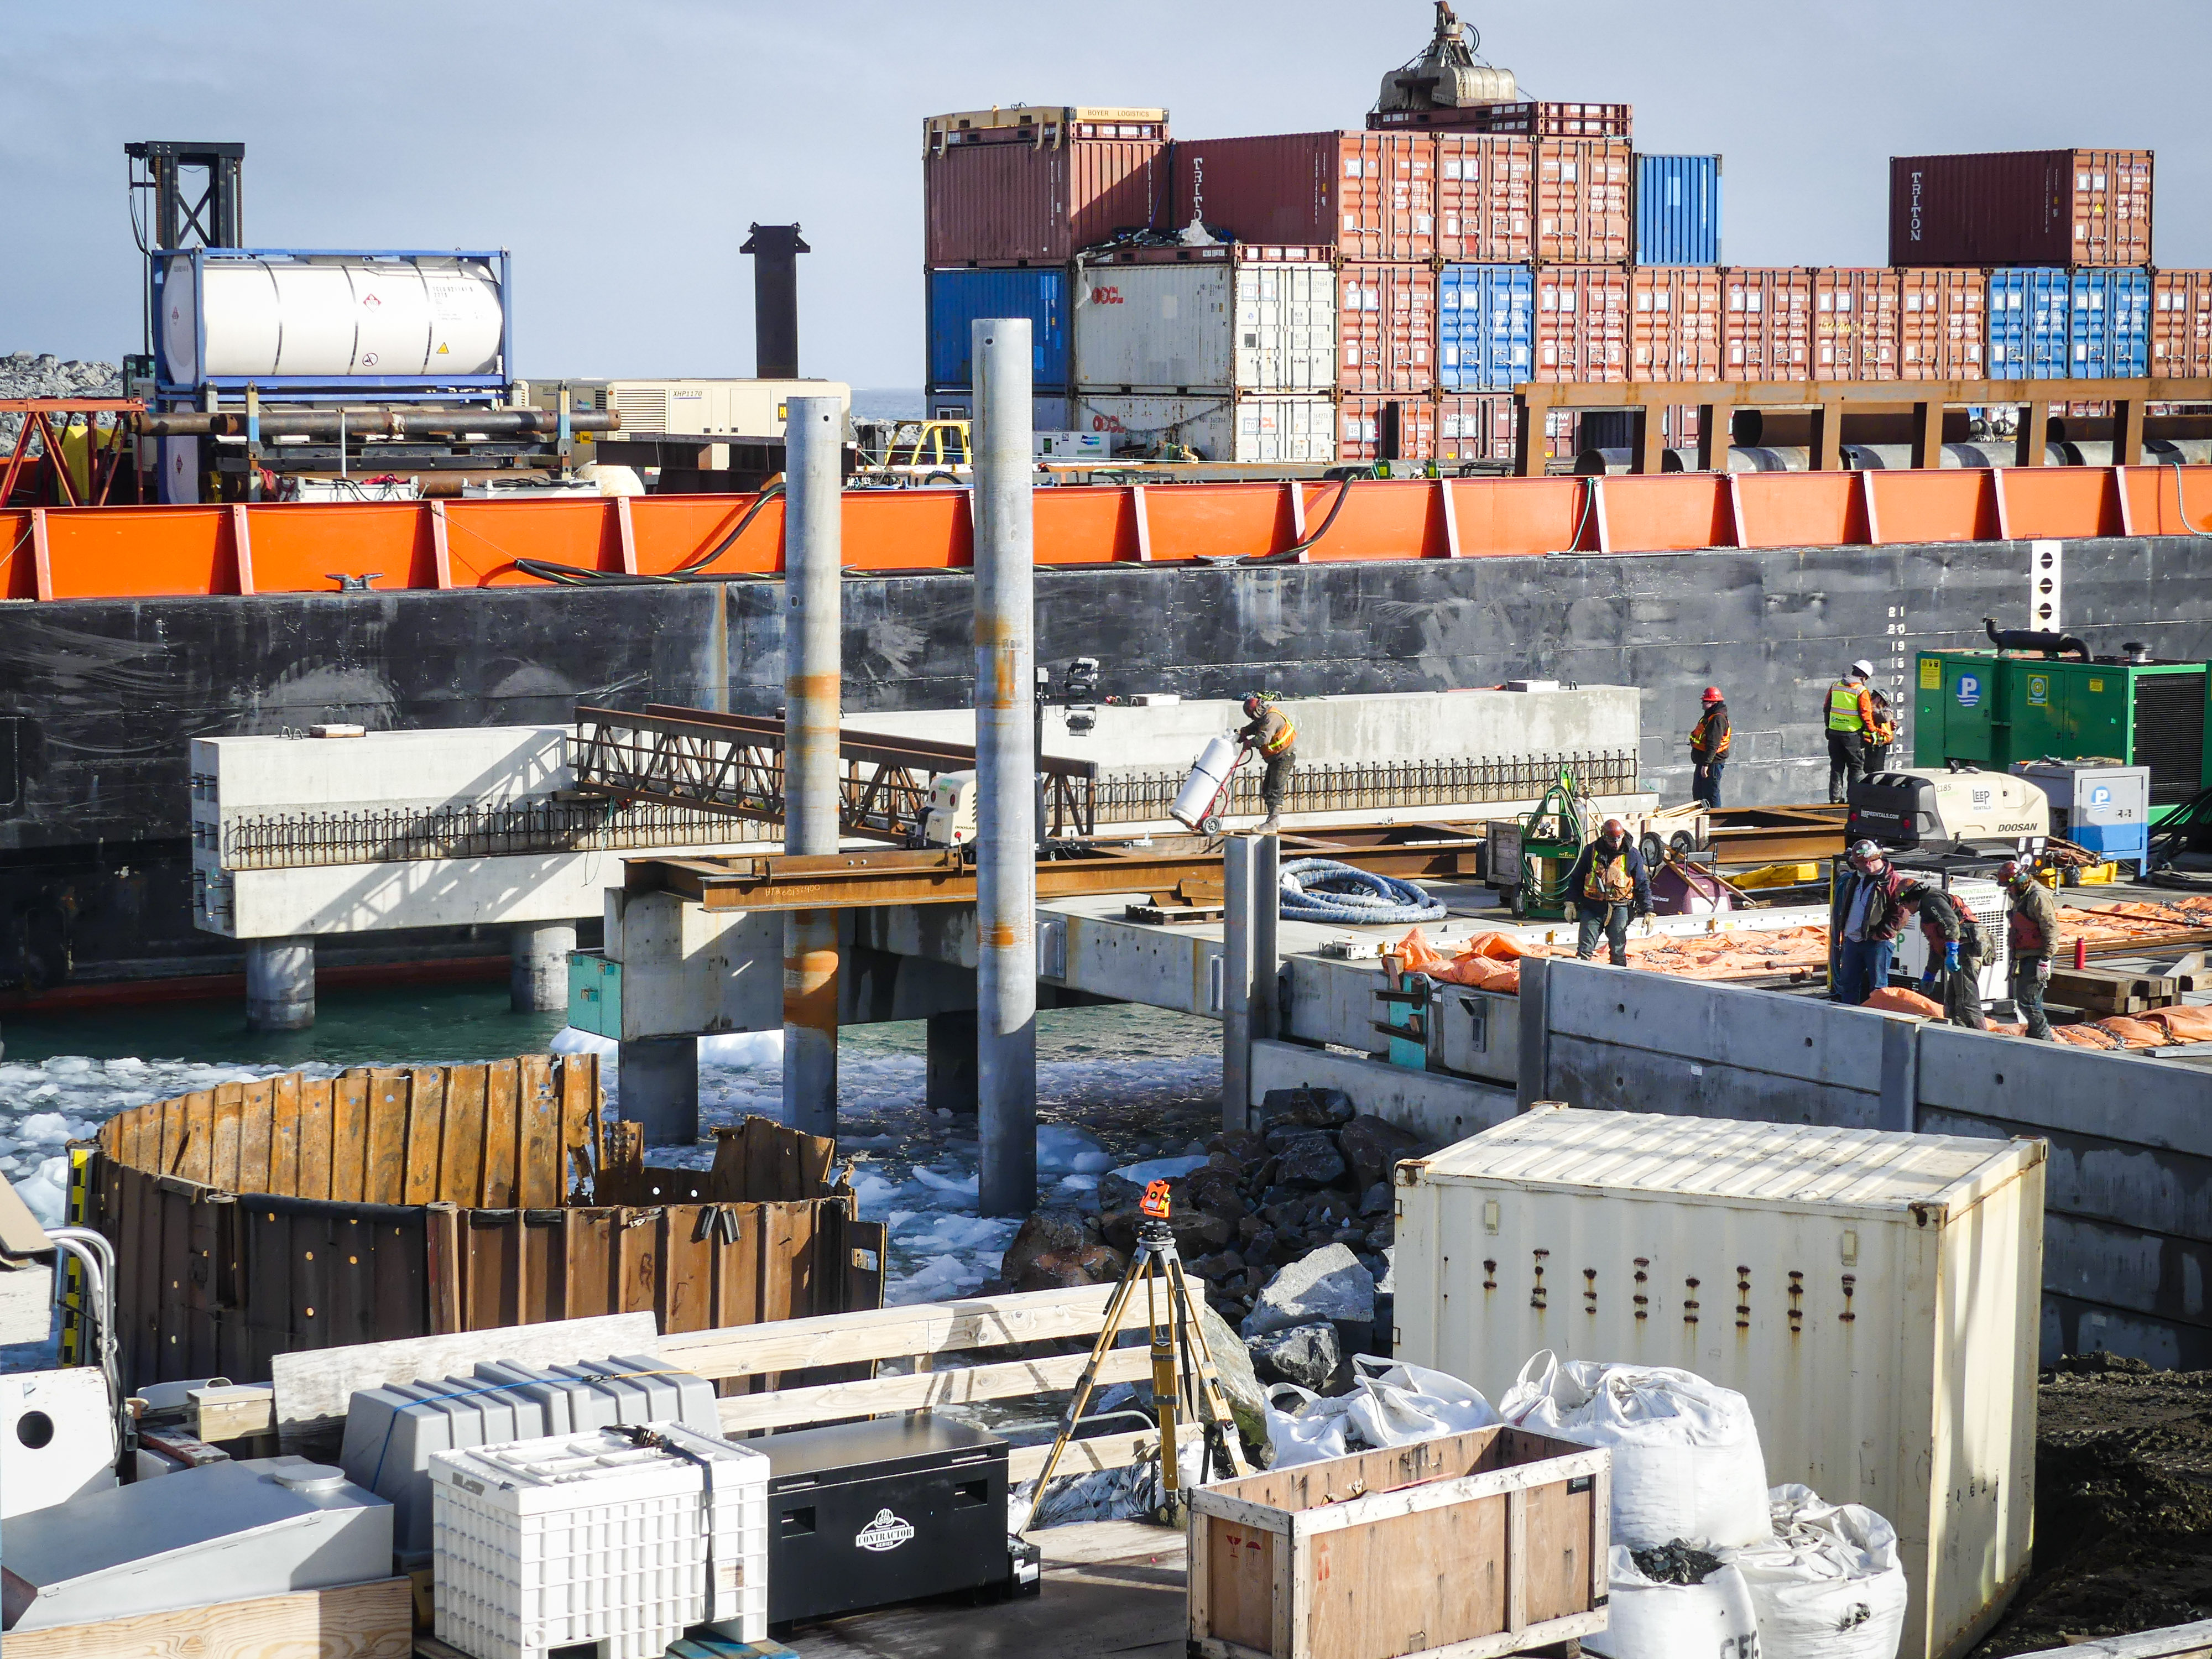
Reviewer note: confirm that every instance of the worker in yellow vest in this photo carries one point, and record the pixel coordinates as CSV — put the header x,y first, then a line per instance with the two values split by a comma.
x,y
1608,884
1268,732
1708,749
1850,718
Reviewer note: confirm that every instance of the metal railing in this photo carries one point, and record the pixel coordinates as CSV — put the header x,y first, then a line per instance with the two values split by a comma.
x,y
283,841
1381,785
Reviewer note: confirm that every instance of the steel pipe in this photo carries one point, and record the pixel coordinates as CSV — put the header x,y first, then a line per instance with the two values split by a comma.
x,y
1238,903
1006,770
812,695
377,422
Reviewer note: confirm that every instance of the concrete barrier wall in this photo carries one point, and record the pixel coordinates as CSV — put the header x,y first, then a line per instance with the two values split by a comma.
x,y
2127,1225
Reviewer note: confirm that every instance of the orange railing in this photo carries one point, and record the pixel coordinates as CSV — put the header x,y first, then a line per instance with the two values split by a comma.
x,y
121,552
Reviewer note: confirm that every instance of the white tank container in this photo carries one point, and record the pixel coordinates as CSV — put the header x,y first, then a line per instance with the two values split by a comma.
x,y
1264,327
1208,775
1875,1296
330,316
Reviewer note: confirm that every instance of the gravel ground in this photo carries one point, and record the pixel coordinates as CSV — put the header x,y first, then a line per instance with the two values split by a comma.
x,y
42,374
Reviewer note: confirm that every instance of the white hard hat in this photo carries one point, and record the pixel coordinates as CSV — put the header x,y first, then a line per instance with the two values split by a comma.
x,y
1863,669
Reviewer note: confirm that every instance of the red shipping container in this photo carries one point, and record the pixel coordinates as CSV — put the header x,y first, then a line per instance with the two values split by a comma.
x,y
1396,429
1387,328
1856,332
2028,206
991,202
2181,324
1475,429
1372,194
1582,215
1486,198
1549,121
1768,333
1675,323
1582,323
1943,324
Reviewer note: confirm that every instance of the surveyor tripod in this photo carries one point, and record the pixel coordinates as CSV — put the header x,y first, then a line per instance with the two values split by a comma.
x,y
1182,1364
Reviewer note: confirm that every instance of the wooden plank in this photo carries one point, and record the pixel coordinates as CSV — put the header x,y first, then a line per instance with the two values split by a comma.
x,y
892,1333
2174,1642
354,1621
318,1123
349,1137
926,1390
426,1130
502,1128
1105,1451
1233,1590
540,1154
315,1387
384,1179
1442,1494
460,1154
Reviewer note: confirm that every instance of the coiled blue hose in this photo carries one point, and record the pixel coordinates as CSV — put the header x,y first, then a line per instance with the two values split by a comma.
x,y
1323,890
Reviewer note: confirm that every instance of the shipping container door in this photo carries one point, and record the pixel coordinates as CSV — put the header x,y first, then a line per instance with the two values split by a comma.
x,y
1582,323
1360,328
1675,325
1769,323
2181,324
1943,324
2111,193
2108,324
1486,197
1410,310
1285,328
2027,324
1483,326
1387,191
1856,324
1582,200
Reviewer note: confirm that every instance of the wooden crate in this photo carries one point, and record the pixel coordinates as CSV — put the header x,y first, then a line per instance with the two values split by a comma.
x,y
356,1621
1485,1543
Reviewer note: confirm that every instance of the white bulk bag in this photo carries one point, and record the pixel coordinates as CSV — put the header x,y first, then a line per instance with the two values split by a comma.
x,y
1391,1404
1828,1584
1648,1620
1686,1458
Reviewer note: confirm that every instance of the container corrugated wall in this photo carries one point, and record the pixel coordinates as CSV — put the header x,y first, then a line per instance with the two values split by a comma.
x,y
1267,327
1674,323
2033,207
1769,324
2108,324
1678,209
1582,190
958,298
1943,324
2027,324
1017,203
1479,428
1372,194
1581,323
2181,323
1486,327
1855,334
1395,429
1387,328
1486,198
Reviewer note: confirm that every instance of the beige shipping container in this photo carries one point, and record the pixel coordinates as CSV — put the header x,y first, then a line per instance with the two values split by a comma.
x,y
1876,1296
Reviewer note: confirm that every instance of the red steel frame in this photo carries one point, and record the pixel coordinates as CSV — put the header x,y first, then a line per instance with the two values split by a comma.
x,y
47,465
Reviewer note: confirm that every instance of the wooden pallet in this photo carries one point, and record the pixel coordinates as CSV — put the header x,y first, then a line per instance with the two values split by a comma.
x,y
2103,991
354,1621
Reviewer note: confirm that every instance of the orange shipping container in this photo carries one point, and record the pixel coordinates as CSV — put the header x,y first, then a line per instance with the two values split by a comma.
x,y
1396,429
1581,323
1486,198
1769,333
1582,201
1943,324
1475,429
1387,328
1675,329
2181,323
1855,323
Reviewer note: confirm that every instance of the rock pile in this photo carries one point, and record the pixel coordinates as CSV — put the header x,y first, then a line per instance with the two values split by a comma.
x,y
42,374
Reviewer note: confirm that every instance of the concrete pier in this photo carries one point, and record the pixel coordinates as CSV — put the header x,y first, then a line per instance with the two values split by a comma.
x,y
658,1087
951,1084
280,984
538,965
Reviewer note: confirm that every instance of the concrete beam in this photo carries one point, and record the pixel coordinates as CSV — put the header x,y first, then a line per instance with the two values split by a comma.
x,y
1430,1104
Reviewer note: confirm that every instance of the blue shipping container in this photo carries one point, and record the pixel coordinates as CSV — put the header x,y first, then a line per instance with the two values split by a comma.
x,y
2028,337
1485,327
958,297
2108,324
1678,209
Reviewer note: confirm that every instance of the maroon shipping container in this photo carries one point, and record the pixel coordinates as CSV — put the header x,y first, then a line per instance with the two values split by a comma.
x,y
1943,324
1767,330
2181,324
1855,323
1582,323
1533,119
1386,429
1475,429
1387,328
1372,195
1486,198
1582,214
1018,204
1675,332
2028,207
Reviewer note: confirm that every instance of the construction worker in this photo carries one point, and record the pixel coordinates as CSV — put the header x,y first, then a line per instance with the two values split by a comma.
x,y
1863,923
1954,953
1269,731
1881,732
2032,929
1607,883
1708,749
1850,715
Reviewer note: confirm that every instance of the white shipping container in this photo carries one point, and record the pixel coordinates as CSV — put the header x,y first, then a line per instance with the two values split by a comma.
x,y
1268,327
1217,426
1875,1296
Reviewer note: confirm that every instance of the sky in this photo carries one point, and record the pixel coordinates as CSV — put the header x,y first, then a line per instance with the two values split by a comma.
x,y
620,149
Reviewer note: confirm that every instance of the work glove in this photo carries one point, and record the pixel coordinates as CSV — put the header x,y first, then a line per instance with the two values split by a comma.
x,y
1640,911
1571,913
1951,955
2043,971
1927,979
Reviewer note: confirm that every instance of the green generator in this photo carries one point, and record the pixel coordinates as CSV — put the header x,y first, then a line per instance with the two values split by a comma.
x,y
1991,708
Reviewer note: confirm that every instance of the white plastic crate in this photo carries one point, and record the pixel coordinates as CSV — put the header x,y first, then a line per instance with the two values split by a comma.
x,y
591,1538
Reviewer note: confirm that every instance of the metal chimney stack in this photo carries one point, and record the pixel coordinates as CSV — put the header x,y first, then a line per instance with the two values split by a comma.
x,y
776,250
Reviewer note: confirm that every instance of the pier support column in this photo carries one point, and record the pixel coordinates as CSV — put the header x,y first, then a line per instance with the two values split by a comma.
x,y
1006,769
658,1085
1267,937
538,965
280,984
1235,982
951,1082
812,695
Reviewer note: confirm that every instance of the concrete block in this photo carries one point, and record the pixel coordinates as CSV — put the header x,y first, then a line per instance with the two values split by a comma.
x,y
1437,1107
688,970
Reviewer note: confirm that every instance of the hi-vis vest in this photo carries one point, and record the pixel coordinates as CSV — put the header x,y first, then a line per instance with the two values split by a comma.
x,y
1283,739
1608,878
1701,737
1885,727
1843,709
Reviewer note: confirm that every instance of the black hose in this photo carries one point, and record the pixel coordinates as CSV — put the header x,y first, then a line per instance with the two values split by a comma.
x,y
2032,639
1292,553
693,570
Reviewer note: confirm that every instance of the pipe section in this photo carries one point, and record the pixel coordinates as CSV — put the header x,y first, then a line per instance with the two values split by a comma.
x,y
379,422
1005,768
280,984
813,559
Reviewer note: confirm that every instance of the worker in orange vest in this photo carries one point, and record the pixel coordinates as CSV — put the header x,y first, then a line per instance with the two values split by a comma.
x,y
1708,749
1268,732
1851,716
1881,732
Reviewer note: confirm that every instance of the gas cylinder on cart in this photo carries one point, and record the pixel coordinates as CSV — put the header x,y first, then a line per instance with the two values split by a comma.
x,y
1206,787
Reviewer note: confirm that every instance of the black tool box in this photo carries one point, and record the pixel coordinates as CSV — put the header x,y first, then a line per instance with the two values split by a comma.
x,y
867,1514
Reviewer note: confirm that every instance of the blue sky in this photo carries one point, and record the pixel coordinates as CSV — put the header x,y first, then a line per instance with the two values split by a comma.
x,y
620,149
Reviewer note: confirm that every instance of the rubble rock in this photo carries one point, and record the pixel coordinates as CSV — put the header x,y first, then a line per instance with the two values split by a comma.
x,y
1060,1249
1244,1147
1376,1201
1311,1162
1196,1233
1317,1109
1309,1355
1213,1189
1372,1146
1094,1264
1329,1283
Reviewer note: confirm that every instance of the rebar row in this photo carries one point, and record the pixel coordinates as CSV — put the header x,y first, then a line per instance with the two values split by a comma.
x,y
291,840
1382,786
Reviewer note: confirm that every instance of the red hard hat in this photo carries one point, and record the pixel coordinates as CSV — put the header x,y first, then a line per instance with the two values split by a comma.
x,y
1713,695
